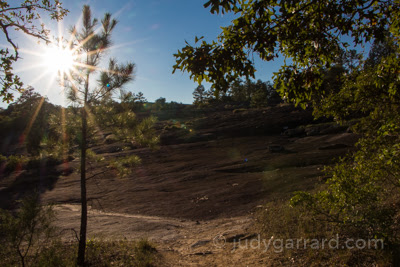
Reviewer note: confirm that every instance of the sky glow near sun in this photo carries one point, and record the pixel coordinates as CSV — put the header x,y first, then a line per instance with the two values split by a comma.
x,y
58,59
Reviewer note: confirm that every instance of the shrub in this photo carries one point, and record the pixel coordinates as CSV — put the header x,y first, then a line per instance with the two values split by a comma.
x,y
119,253
279,221
38,161
57,254
144,253
362,197
22,233
13,162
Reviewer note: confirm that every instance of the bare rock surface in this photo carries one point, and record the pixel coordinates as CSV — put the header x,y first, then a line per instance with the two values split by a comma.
x,y
195,193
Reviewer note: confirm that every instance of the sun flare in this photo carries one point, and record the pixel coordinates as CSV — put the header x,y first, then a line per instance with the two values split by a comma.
x,y
57,59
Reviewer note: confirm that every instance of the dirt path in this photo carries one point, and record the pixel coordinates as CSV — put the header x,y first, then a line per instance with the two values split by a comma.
x,y
180,242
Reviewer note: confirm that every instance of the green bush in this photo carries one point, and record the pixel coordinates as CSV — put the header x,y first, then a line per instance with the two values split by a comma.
x,y
144,253
38,161
19,162
362,194
57,254
120,253
22,234
27,239
13,162
279,221
362,197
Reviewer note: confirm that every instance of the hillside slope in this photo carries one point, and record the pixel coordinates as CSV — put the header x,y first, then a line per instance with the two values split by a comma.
x,y
211,171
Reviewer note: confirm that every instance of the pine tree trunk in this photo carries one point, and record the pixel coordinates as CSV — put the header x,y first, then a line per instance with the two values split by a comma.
x,y
82,235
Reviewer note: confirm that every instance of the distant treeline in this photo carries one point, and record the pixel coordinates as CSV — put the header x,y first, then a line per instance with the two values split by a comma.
x,y
32,122
246,93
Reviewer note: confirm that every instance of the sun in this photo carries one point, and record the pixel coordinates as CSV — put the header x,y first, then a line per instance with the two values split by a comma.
x,y
58,59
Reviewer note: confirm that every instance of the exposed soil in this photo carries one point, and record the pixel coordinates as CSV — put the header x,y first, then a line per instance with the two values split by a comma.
x,y
203,182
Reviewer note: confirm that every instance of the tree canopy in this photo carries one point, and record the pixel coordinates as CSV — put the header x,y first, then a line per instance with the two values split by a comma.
x,y
312,34
322,70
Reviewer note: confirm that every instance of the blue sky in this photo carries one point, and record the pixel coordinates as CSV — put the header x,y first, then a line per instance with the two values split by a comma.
x,y
148,34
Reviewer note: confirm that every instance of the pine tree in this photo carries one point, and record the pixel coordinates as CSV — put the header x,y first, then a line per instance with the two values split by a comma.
x,y
199,95
91,46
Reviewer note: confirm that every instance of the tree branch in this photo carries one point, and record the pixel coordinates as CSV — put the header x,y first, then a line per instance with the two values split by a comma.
x,y
9,40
